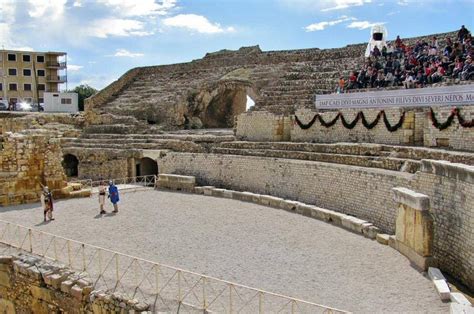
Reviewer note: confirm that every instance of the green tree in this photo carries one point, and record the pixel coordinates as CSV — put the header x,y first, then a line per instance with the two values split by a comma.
x,y
83,91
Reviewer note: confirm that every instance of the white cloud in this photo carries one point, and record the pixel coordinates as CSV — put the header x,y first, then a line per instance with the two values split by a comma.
x,y
325,5
402,2
46,8
73,67
362,24
140,8
126,53
104,28
196,23
344,4
77,4
322,25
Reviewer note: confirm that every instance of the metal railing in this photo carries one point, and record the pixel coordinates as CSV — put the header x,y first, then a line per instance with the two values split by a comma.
x,y
164,287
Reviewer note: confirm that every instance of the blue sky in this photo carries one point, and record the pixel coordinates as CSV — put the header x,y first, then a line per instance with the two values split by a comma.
x,y
105,38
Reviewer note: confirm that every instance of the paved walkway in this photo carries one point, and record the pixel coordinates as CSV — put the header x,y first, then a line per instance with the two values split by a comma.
x,y
246,243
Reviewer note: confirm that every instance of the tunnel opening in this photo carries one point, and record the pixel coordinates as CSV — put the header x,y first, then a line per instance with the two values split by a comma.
x,y
70,164
146,167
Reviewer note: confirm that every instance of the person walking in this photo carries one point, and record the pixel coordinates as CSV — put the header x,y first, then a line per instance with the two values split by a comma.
x,y
102,190
47,201
114,196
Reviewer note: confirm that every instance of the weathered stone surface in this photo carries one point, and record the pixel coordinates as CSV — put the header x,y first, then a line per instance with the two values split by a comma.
x,y
456,308
459,298
443,290
382,238
410,198
435,274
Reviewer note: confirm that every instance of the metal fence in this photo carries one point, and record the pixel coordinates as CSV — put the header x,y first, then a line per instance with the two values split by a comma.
x,y
165,288
131,182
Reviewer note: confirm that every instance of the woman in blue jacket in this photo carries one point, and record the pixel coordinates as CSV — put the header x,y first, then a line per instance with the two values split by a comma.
x,y
114,196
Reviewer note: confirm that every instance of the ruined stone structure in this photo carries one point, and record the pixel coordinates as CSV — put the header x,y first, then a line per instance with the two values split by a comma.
x,y
350,171
211,91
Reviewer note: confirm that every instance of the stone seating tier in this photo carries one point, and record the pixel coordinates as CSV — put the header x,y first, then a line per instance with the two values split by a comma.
x,y
282,81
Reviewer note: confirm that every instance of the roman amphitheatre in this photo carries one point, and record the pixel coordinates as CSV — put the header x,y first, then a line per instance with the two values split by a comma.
x,y
309,202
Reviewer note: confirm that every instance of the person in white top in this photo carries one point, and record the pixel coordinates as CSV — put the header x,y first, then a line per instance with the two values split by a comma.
x,y
102,192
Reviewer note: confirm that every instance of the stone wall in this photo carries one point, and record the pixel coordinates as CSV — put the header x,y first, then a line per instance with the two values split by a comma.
x,y
361,192
454,137
29,284
98,164
262,126
338,133
450,188
27,160
61,123
417,128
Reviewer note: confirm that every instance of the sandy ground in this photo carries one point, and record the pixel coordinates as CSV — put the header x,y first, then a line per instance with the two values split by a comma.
x,y
249,244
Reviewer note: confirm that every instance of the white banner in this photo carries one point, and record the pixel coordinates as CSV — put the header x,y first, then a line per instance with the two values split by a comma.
x,y
420,97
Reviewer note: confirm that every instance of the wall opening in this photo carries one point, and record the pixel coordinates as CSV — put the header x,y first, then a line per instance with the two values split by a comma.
x,y
250,103
146,167
70,164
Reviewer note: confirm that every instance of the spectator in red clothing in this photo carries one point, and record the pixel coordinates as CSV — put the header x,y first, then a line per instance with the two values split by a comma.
x,y
352,81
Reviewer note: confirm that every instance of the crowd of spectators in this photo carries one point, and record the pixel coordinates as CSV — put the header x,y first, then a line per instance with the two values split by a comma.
x,y
424,63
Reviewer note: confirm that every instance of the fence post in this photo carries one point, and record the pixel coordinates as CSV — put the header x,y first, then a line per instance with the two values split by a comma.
x,y
230,299
260,302
99,253
293,306
204,294
55,249
157,279
31,242
83,257
19,238
179,286
117,275
69,253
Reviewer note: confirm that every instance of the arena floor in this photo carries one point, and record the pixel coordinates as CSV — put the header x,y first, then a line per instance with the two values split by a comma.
x,y
249,244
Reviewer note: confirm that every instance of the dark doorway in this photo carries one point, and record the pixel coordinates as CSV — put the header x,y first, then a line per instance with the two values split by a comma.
x,y
147,166
70,165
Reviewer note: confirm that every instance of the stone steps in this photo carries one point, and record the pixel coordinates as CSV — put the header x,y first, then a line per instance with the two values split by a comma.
x,y
388,163
353,149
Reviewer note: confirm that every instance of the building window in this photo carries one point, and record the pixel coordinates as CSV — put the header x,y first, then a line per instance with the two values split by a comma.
x,y
26,72
26,58
28,100
12,86
40,72
13,100
27,87
12,72
1,86
66,101
41,87
40,59
40,100
12,57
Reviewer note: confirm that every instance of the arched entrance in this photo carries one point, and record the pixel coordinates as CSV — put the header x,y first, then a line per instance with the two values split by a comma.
x,y
70,165
146,166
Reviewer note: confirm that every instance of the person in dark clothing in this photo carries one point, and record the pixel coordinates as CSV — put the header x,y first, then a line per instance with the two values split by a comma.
x,y
463,32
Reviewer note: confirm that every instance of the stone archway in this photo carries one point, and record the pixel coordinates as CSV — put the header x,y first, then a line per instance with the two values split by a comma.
x,y
147,166
70,164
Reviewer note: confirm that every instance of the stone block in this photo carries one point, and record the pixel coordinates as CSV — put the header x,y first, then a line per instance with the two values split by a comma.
x,y
422,262
66,286
7,306
411,199
228,193
382,238
42,293
370,231
443,290
459,298
456,171
435,274
217,192
269,200
456,308
352,223
320,213
6,260
208,190
198,190
76,292
336,218
5,279
289,205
